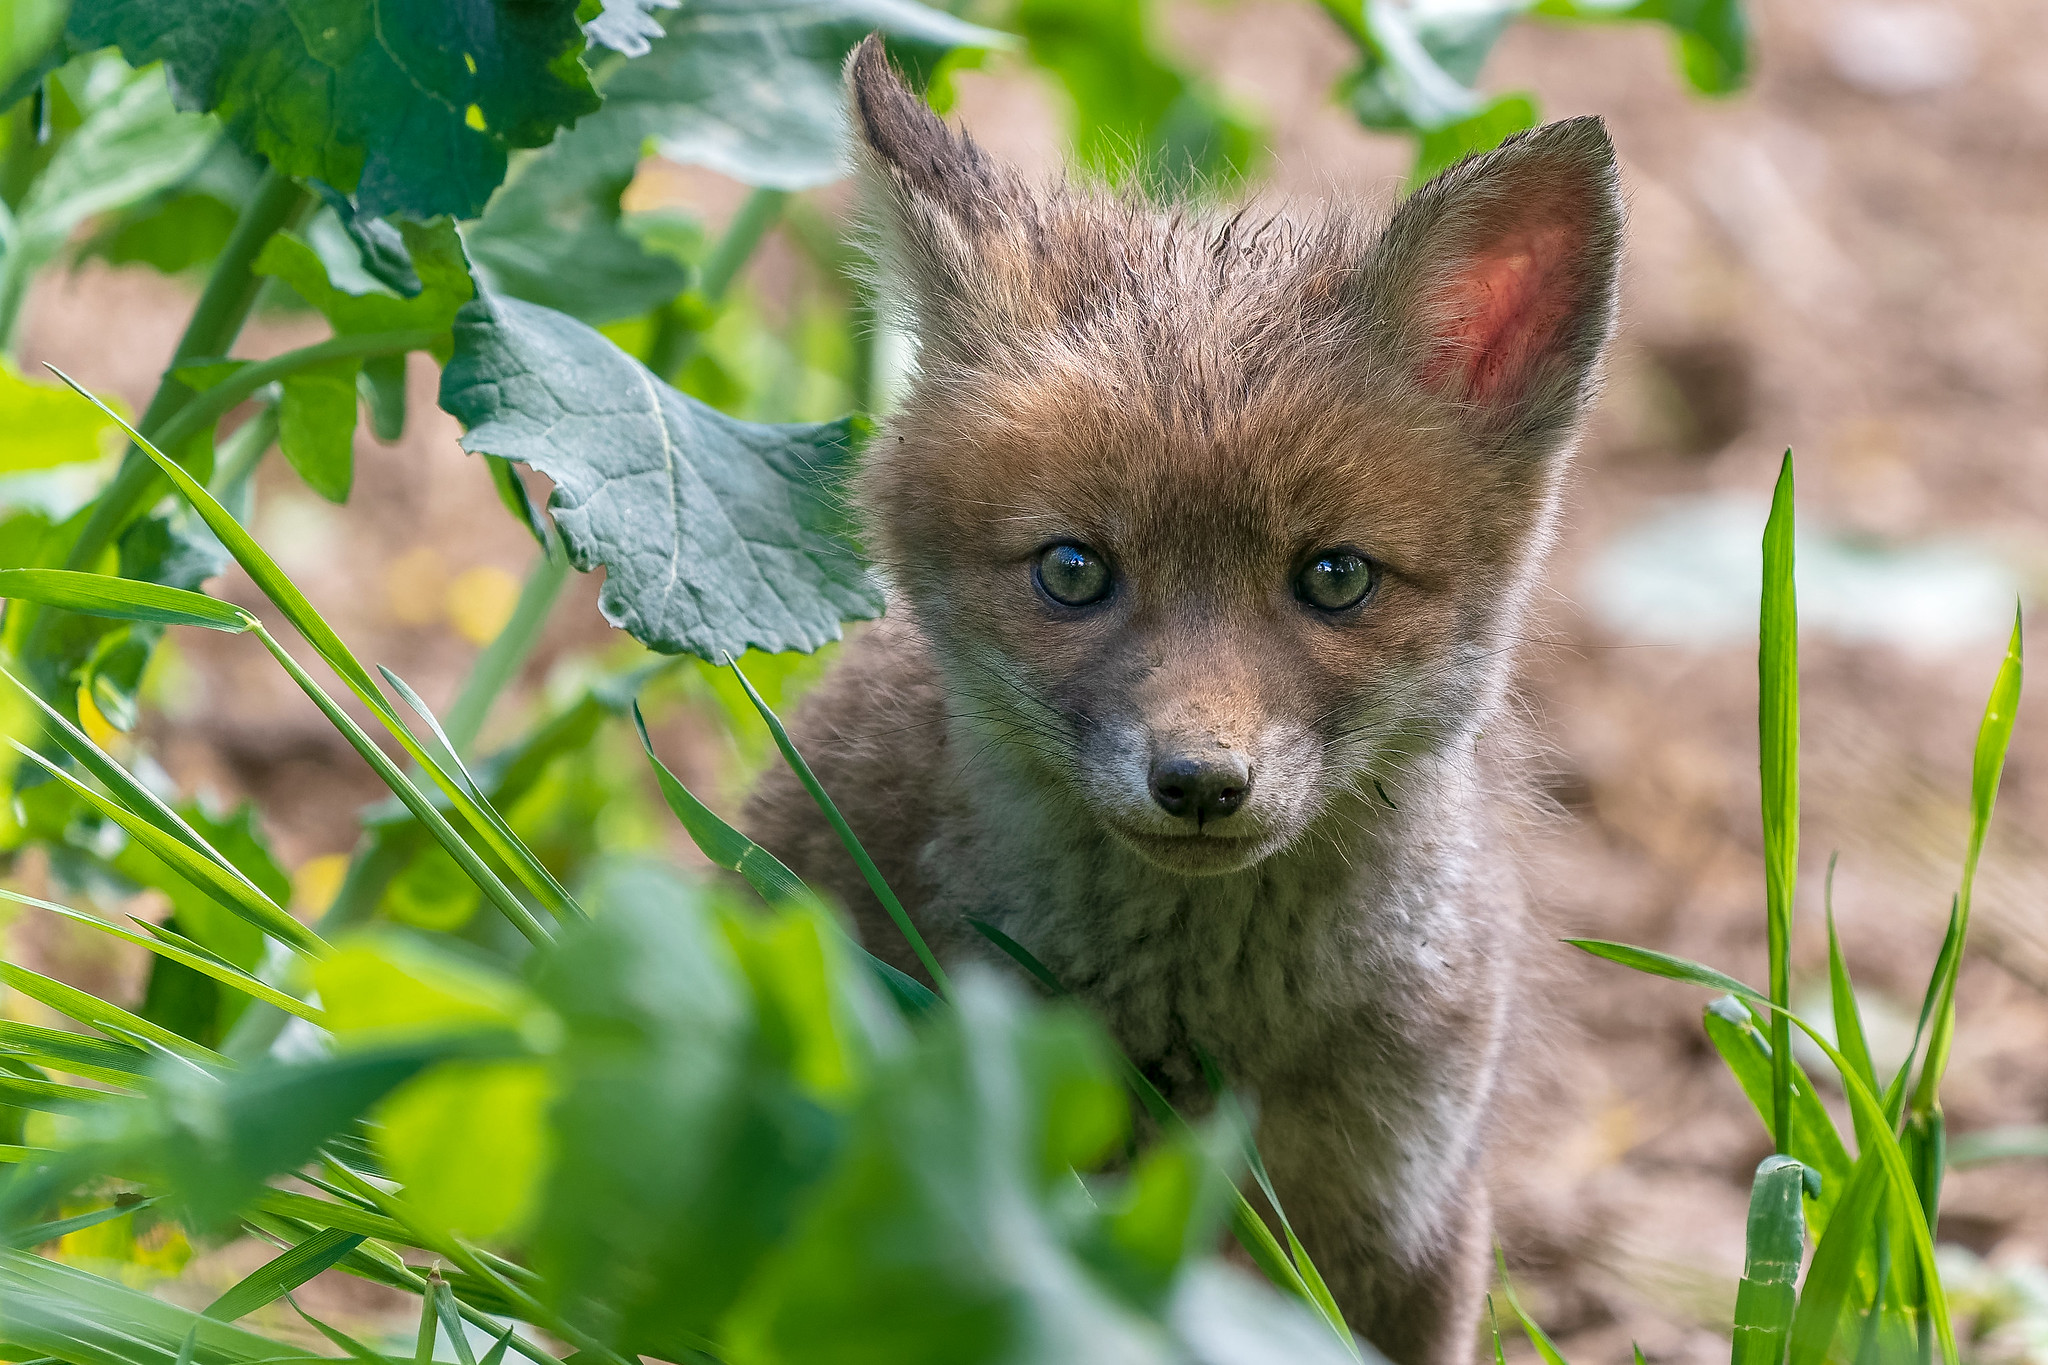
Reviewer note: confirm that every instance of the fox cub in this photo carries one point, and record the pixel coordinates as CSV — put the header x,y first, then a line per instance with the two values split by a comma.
x,y
1208,540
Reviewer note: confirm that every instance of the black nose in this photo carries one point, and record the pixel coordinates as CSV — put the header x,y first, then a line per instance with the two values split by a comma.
x,y
1204,786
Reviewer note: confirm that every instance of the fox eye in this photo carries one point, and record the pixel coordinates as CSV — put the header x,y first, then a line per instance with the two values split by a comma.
x,y
1072,575
1337,579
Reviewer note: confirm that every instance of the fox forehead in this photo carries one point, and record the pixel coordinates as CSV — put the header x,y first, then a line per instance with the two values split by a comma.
x,y
1189,474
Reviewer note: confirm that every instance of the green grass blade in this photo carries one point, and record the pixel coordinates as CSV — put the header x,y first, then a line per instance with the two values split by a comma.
x,y
543,883
444,1305
277,1277
118,780
331,1214
423,1343
177,948
1837,1260
1842,1000
75,1054
1944,967
1994,737
1546,1349
1778,750
423,810
868,870
23,1238
272,580
355,1349
1665,965
230,889
1815,1143
1861,1098
1774,1246
84,1319
89,1009
123,599
726,847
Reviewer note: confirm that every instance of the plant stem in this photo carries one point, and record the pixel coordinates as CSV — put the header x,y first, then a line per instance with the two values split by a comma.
x,y
501,660
676,326
208,407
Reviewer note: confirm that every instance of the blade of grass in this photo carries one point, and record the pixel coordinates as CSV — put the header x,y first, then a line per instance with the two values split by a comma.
x,y
1546,1349
118,780
123,599
1847,1013
232,891
868,870
75,1054
451,1323
465,857
1815,1143
90,1010
1994,737
282,1274
1859,1095
1773,1248
1837,1259
285,594
23,1238
1944,964
532,871
726,847
177,948
355,1348
1778,749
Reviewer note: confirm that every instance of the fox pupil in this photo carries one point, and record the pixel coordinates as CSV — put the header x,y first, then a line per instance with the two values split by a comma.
x,y
1336,580
1072,575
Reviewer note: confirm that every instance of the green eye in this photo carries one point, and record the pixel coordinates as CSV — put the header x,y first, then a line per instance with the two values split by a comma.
x,y
1071,575
1337,579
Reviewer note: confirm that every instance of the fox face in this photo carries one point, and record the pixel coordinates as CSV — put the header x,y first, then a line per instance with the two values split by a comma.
x,y
1214,525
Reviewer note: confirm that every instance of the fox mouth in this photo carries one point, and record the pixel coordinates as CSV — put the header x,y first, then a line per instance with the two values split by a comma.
x,y
1193,853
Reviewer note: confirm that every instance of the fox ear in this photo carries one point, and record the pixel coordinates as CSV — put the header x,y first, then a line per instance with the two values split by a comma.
x,y
934,189
1496,280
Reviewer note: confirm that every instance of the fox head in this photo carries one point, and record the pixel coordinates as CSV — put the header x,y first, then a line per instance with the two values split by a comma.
x,y
1217,524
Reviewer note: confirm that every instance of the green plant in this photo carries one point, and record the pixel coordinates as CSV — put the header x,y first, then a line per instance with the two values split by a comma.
x,y
1872,1291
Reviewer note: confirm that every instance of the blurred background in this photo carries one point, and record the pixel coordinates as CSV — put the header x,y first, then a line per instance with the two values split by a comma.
x,y
1844,258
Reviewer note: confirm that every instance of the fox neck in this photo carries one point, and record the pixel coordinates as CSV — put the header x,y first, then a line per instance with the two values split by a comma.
x,y
1231,963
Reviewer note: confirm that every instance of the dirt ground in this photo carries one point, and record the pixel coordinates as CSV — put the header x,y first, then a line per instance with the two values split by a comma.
x,y
1844,260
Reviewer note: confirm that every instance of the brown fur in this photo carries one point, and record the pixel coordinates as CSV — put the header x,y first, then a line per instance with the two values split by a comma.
x,y
1209,403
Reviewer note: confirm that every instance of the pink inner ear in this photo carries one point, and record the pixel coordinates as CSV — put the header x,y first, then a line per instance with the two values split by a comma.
x,y
1498,313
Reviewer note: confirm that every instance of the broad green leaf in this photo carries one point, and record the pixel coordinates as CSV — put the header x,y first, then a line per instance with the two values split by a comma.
x,y
379,989
317,423
282,1274
123,599
1136,112
469,1141
752,90
45,425
1441,148
943,1198
433,251
716,534
185,225
555,234
411,105
1712,35
1774,1247
691,1123
28,30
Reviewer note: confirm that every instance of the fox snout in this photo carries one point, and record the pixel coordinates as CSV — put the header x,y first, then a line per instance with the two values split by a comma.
x,y
1191,784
